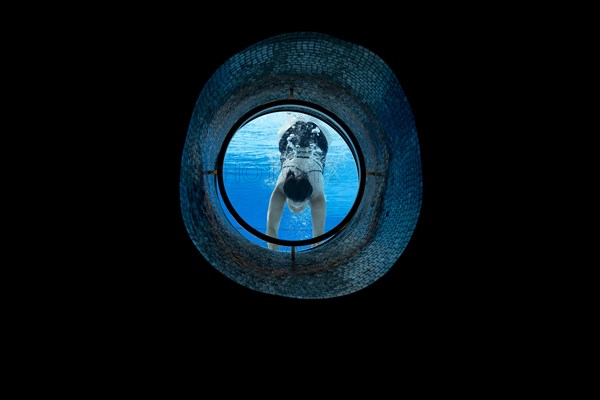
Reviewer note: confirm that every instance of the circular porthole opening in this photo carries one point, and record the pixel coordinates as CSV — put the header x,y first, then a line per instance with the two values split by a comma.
x,y
290,141
343,85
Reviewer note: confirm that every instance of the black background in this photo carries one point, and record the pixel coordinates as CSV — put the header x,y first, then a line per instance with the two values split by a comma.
x,y
112,281
146,77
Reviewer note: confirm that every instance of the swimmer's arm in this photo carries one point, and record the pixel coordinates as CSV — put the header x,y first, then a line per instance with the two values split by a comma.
x,y
318,211
276,204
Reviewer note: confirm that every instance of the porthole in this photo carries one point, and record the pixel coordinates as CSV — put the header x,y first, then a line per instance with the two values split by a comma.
x,y
339,85
269,146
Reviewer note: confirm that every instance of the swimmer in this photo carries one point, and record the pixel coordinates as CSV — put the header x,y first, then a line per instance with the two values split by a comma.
x,y
303,149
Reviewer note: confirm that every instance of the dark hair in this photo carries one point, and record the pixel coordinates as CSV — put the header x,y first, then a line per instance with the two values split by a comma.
x,y
297,188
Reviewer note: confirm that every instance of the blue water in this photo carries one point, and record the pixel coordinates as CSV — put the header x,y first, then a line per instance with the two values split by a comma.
x,y
252,165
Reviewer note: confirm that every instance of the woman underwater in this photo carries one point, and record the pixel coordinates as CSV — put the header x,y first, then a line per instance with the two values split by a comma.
x,y
303,150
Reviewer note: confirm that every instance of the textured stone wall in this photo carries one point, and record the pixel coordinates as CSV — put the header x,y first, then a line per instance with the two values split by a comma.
x,y
359,88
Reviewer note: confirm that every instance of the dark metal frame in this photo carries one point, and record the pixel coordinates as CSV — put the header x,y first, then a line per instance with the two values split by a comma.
x,y
317,112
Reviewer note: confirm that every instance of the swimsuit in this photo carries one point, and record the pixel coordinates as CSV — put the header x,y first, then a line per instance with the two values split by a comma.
x,y
303,140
